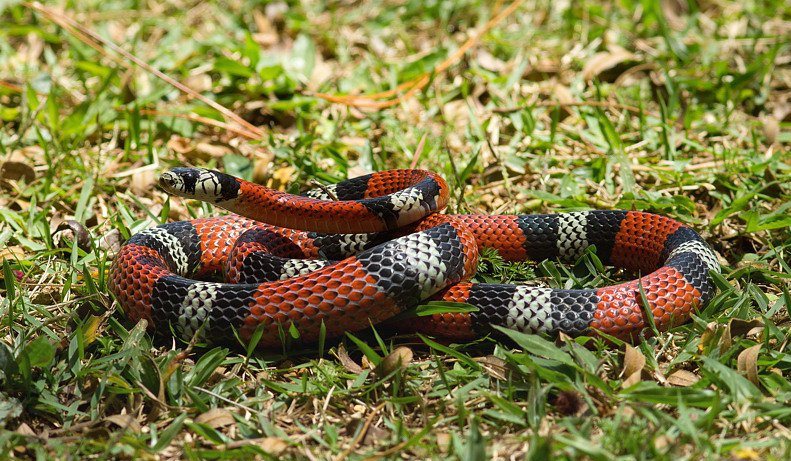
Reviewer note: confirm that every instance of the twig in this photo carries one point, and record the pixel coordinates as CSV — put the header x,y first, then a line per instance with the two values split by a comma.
x,y
325,189
95,40
418,151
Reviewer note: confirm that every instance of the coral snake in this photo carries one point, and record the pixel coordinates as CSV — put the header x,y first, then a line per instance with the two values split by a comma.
x,y
361,251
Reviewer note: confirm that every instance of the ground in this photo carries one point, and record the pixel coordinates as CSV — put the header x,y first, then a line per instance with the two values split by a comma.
x,y
675,107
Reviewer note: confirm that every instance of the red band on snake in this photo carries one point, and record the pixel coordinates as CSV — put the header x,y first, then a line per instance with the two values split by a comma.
x,y
361,251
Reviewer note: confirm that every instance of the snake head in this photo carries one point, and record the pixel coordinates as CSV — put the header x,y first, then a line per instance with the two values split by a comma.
x,y
200,184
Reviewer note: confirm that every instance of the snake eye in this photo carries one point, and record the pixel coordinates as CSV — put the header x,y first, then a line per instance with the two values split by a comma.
x,y
167,180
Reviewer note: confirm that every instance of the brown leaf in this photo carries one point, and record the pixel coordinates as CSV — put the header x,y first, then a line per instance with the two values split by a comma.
x,y
70,230
739,327
633,364
213,150
747,363
399,359
14,171
24,429
142,182
443,441
124,421
180,145
682,378
494,366
216,418
12,253
603,61
347,362
271,445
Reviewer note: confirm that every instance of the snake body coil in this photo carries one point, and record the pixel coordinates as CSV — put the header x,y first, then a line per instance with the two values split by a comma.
x,y
366,276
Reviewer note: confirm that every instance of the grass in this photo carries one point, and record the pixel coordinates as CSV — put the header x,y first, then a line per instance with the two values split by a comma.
x,y
679,108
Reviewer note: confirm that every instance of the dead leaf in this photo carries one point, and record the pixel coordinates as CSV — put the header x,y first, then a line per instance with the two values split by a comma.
x,y
399,359
14,171
216,418
46,296
24,429
739,327
494,366
213,150
70,230
124,421
180,145
603,61
747,363
682,378
271,445
347,362
633,364
142,182
12,253
443,440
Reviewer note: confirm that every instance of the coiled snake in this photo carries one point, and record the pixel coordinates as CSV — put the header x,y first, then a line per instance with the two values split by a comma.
x,y
383,250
